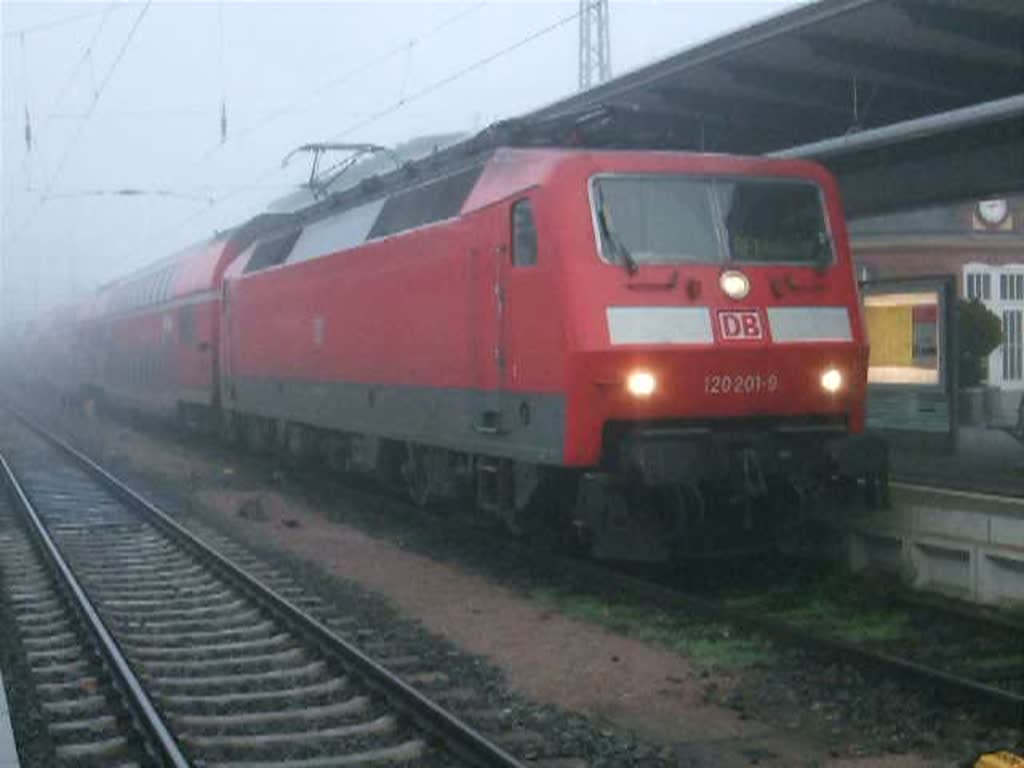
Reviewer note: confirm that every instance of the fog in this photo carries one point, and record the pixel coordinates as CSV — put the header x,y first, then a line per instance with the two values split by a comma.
x,y
128,96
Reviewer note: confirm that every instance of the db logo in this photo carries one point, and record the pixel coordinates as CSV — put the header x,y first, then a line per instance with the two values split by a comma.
x,y
741,324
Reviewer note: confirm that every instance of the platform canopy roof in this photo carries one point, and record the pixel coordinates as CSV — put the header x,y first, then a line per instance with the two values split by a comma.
x,y
922,97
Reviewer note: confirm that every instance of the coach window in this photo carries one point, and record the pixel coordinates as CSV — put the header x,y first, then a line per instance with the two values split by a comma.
x,y
524,235
187,324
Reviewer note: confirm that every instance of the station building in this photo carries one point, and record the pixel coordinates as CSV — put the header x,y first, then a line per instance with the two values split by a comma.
x,y
982,244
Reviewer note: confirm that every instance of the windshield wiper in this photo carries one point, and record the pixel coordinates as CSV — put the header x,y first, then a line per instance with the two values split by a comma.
x,y
823,250
606,232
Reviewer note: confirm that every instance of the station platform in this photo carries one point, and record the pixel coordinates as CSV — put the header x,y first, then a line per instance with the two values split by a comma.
x,y
987,459
8,750
964,544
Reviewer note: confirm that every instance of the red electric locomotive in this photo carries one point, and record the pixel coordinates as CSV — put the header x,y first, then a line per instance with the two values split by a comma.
x,y
657,352
651,346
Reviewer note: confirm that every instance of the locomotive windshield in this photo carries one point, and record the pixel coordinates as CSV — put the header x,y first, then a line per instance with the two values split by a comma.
x,y
678,219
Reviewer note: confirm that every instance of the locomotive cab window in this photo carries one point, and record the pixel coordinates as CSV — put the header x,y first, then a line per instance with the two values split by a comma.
x,y
524,235
674,219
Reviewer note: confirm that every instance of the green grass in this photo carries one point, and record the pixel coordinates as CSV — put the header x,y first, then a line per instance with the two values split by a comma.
x,y
707,644
872,627
830,607
999,662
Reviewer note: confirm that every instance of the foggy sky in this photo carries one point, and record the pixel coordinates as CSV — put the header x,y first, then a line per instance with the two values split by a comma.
x,y
289,73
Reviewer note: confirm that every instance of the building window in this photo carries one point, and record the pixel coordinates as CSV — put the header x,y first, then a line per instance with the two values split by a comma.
x,y
1011,287
1013,348
979,287
524,235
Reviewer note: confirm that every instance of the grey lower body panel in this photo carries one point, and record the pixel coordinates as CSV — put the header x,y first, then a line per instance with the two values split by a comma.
x,y
530,425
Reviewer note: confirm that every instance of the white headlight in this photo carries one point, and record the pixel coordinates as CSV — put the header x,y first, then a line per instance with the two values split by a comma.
x,y
641,383
831,381
734,284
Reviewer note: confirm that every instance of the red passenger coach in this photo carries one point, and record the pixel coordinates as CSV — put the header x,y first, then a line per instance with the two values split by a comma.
x,y
150,340
152,333
646,347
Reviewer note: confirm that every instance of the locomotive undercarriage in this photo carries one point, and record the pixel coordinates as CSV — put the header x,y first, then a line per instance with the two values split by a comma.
x,y
674,491
663,491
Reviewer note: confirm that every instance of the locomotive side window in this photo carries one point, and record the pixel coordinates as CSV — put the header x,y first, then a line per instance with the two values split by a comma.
x,y
425,204
341,231
524,235
272,252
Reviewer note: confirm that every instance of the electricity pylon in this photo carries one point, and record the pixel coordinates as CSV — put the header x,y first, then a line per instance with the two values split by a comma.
x,y
595,43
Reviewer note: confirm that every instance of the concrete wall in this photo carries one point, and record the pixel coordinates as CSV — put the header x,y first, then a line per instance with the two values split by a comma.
x,y
966,545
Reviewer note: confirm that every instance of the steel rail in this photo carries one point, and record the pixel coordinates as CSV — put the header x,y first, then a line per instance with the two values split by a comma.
x,y
1000,621
141,706
459,737
1002,704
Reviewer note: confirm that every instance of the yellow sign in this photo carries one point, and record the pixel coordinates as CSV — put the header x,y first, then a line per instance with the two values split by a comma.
x,y
999,760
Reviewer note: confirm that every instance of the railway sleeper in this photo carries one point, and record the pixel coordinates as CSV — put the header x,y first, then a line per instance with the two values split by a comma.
x,y
213,683
247,618
169,599
225,650
193,610
253,663
400,754
62,706
245,722
75,730
81,753
319,692
172,639
294,740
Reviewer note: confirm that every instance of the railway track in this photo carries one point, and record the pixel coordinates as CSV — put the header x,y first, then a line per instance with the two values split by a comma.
x,y
975,655
971,657
211,664
968,656
87,723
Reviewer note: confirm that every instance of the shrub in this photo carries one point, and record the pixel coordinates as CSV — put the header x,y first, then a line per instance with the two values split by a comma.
x,y
981,331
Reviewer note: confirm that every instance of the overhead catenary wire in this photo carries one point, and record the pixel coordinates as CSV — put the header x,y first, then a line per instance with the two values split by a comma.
x,y
81,126
468,70
46,26
128,192
258,181
223,75
86,56
349,75
298,104
24,75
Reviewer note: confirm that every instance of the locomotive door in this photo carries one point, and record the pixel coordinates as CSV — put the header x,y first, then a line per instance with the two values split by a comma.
x,y
513,258
225,367
488,260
